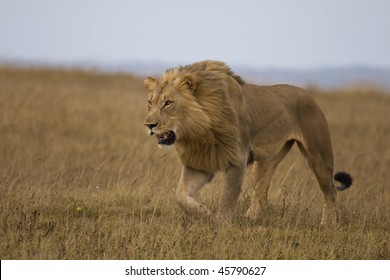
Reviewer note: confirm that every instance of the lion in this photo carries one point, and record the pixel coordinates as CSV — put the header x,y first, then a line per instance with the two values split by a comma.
x,y
219,123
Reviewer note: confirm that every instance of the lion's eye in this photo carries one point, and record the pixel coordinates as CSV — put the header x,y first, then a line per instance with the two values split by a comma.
x,y
149,103
168,103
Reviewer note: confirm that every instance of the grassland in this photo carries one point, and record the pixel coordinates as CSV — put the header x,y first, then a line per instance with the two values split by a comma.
x,y
80,179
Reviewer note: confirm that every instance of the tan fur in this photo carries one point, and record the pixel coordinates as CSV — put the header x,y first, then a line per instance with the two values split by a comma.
x,y
218,120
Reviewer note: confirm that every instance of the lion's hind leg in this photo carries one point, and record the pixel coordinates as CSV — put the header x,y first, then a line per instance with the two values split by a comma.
x,y
321,163
263,169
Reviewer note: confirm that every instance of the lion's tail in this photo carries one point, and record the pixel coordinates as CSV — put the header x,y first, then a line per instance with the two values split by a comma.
x,y
345,180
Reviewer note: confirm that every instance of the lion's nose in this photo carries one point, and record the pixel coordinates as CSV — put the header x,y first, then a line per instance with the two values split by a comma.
x,y
151,125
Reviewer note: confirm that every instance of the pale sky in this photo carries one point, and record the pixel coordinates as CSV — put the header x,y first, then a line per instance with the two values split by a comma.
x,y
295,34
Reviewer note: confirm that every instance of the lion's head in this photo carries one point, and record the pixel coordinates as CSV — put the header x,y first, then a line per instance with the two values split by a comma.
x,y
190,107
174,115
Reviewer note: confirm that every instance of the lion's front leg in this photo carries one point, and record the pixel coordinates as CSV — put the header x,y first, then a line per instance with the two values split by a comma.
x,y
192,180
234,177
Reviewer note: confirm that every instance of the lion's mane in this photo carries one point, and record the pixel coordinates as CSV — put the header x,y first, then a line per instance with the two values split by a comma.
x,y
210,132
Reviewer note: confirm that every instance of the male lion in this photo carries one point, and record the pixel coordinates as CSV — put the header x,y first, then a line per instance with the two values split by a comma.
x,y
217,122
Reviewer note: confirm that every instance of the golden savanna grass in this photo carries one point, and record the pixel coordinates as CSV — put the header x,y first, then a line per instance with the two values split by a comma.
x,y
80,179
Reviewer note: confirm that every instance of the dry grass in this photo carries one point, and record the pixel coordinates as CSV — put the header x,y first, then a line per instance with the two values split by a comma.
x,y
80,179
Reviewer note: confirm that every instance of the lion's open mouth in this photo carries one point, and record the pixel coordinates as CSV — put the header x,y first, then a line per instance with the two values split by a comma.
x,y
166,138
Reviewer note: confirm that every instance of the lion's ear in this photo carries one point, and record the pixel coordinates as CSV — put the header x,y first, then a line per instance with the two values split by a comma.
x,y
150,84
189,83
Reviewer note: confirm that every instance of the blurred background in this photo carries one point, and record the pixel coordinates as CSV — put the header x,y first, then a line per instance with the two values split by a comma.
x,y
332,43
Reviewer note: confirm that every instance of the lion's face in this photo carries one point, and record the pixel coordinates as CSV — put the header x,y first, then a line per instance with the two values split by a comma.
x,y
160,120
174,115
